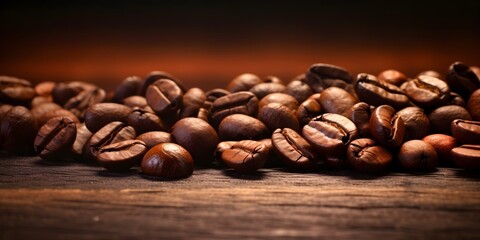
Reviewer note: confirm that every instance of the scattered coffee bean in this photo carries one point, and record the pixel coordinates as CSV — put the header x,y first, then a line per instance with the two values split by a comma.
x,y
154,138
246,156
467,156
167,160
243,82
393,77
387,128
417,155
443,144
101,114
366,155
55,138
465,131
121,155
238,127
442,117
415,121
294,150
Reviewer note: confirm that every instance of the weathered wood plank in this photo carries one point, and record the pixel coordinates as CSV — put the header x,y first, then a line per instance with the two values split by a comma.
x,y
39,200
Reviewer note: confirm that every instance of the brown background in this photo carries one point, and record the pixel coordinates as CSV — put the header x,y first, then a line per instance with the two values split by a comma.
x,y
208,43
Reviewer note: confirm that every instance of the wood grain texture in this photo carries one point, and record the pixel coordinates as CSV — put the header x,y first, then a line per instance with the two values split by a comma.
x,y
63,201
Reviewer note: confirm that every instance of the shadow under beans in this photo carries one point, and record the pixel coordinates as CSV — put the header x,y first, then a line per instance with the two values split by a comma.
x,y
54,163
470,174
162,179
117,174
258,175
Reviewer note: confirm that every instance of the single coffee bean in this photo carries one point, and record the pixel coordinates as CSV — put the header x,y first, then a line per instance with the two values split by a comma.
x,y
168,160
442,117
16,91
281,98
374,92
39,110
82,137
443,144
465,131
155,137
337,100
366,155
121,155
101,114
330,133
462,79
239,102
193,100
144,121
432,73
360,114
321,76
130,86
165,97
238,127
417,155
393,77
307,110
427,92
467,156
387,128
263,89
473,105
136,101
157,75
111,133
197,137
299,90
456,99
62,92
415,121
221,147
276,115
44,88
215,93
243,82
246,156
294,150
79,104
55,138
17,131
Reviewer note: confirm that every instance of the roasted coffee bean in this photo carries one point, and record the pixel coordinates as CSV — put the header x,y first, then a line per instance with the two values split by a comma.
x,y
246,156
360,114
144,121
387,128
82,137
393,77
299,90
243,82
366,155
417,155
198,137
321,76
442,117
4,108
294,150
168,160
39,100
136,101
272,158
121,155
467,156
239,102
276,115
307,110
272,79
38,110
215,93
100,114
374,92
462,79
62,92
238,127
465,131
337,100
263,89
330,133
432,73
427,92
47,115
221,147
415,121
17,131
79,104
127,88
281,98
456,99
157,75
55,138
16,91
165,97
473,105
111,133
44,88
155,137
443,144
193,100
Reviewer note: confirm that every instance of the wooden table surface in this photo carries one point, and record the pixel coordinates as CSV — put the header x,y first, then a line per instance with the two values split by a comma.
x,y
42,200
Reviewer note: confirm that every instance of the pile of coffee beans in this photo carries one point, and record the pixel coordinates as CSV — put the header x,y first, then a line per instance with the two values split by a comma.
x,y
324,118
